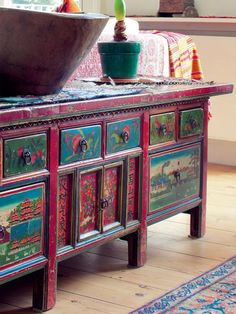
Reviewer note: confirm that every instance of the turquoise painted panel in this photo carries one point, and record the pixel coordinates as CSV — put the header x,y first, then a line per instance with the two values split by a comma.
x,y
21,221
173,177
162,128
123,135
25,154
80,144
191,122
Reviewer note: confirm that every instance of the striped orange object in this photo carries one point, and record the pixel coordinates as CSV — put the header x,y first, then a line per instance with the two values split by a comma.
x,y
183,57
183,54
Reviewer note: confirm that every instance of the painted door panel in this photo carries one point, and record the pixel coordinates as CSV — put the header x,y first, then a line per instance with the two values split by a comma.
x,y
89,203
112,193
174,177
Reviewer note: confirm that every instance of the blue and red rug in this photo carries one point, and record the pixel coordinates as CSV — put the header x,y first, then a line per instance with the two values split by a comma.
x,y
212,292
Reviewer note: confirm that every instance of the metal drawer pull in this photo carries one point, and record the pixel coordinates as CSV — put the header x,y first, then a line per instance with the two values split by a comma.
x,y
2,233
26,156
125,136
162,130
83,145
193,123
104,203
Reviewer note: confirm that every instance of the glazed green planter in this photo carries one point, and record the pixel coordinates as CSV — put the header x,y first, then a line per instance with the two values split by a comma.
x,y
119,60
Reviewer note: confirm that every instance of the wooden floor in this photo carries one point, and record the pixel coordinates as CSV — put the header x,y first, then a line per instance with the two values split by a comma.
x,y
100,281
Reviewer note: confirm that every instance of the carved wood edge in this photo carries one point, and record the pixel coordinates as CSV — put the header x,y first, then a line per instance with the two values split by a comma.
x,y
107,112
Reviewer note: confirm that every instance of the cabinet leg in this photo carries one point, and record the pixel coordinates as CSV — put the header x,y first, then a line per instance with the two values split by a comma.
x,y
44,291
198,221
137,243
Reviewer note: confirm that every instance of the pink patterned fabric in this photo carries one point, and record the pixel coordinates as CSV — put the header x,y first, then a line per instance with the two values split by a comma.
x,y
153,59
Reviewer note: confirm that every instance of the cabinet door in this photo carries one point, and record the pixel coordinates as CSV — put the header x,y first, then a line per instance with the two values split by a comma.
x,y
89,203
112,195
174,177
21,223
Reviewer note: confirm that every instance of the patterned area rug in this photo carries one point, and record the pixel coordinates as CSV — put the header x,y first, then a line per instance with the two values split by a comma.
x,y
212,292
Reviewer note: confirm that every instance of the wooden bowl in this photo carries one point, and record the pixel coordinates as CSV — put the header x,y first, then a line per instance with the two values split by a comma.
x,y
39,51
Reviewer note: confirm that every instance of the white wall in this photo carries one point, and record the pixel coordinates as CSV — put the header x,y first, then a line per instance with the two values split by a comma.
x,y
150,7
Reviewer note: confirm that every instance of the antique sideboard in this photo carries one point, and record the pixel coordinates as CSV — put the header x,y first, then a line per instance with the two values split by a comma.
x,y
77,173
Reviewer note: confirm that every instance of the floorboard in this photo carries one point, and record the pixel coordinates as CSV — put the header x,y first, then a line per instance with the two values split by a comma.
x,y
99,281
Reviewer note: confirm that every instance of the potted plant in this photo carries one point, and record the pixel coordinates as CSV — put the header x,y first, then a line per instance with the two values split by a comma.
x,y
119,58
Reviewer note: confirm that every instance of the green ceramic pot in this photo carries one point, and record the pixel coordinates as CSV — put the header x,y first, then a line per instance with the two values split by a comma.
x,y
119,59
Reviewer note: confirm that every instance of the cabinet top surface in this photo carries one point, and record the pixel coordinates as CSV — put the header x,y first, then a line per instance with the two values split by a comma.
x,y
87,97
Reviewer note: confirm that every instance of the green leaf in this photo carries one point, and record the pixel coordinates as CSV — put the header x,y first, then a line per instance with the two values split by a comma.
x,y
119,9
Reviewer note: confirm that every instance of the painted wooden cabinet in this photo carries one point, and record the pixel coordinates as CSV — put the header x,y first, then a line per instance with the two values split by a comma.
x,y
77,174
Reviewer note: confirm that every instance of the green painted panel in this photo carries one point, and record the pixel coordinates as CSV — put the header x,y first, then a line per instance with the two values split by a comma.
x,y
71,140
162,128
16,151
191,122
21,223
116,132
174,176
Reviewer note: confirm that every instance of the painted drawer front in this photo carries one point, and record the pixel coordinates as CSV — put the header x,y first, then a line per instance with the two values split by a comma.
x,y
123,135
21,221
25,154
80,144
191,122
162,128
174,176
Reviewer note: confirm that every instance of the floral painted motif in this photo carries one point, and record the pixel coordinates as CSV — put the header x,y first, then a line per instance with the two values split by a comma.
x,y
133,185
123,135
64,210
111,193
80,144
89,189
14,149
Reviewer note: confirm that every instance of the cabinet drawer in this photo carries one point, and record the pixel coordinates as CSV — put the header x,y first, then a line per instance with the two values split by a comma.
x,y
191,122
21,223
174,177
162,128
80,144
123,135
25,154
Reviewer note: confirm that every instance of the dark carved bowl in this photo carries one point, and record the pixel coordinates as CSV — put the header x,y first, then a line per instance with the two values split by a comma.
x,y
39,51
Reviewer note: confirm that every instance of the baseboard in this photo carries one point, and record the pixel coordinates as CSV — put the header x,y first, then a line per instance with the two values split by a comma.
x,y
222,152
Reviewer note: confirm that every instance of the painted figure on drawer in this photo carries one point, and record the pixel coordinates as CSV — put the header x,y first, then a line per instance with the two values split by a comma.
x,y
80,144
21,214
191,122
162,128
174,177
